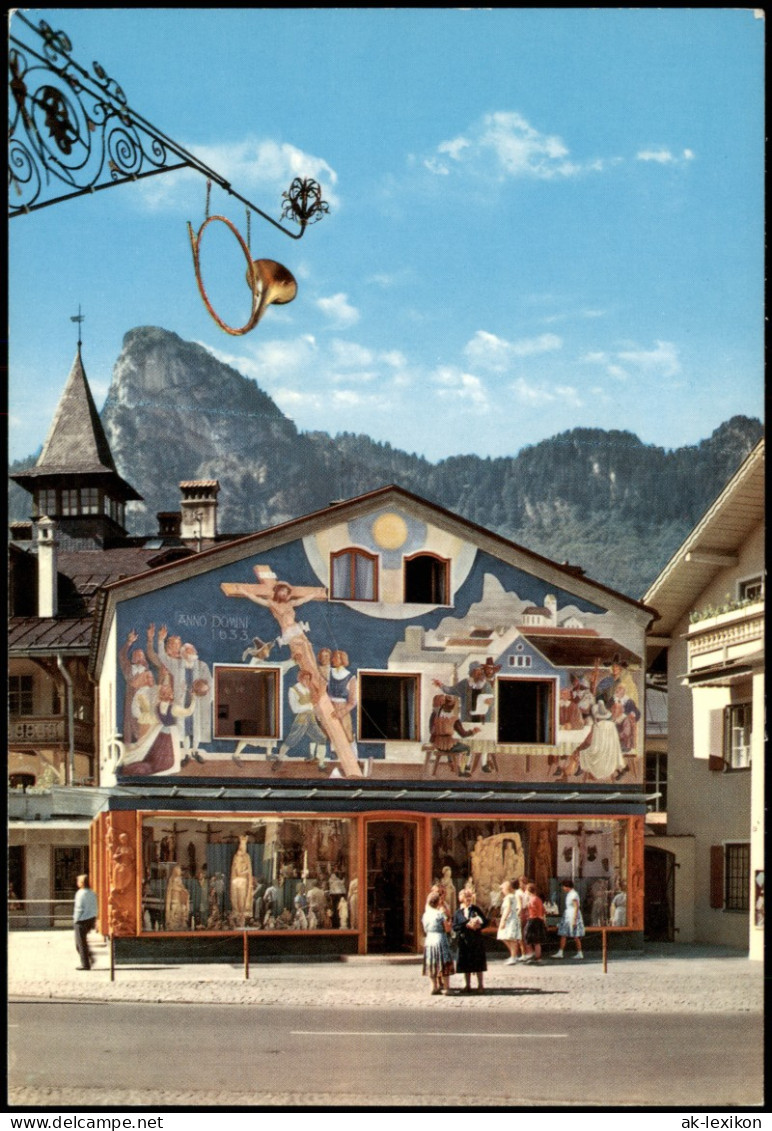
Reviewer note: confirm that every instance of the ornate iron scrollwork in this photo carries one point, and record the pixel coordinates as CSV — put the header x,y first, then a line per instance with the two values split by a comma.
x,y
72,132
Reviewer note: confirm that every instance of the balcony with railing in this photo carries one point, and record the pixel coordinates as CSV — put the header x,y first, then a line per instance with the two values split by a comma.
x,y
39,730
723,639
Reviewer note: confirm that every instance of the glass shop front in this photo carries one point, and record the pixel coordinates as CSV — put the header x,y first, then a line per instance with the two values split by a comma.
x,y
352,883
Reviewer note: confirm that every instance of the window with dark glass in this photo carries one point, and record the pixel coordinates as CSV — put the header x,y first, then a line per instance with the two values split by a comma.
x,y
47,502
20,695
246,702
737,736
525,710
89,500
751,589
68,864
656,781
388,707
427,580
70,500
354,576
737,876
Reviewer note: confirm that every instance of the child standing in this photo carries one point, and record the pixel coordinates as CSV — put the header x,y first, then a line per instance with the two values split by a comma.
x,y
536,927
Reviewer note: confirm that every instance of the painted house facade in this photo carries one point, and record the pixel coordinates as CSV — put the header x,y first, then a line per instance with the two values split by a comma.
x,y
710,603
302,729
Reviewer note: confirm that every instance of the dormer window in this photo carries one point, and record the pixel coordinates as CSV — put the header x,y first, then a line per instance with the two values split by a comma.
x,y
427,580
354,576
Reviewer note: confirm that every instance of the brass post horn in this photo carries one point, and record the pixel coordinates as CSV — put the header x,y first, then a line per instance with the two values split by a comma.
x,y
268,280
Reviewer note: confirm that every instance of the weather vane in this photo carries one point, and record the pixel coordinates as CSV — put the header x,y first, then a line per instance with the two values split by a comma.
x,y
79,318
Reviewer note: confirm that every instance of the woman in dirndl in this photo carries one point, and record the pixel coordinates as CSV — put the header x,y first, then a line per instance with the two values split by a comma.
x,y
510,930
571,925
438,961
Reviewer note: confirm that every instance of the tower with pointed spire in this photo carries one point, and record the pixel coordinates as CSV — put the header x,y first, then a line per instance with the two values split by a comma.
x,y
75,481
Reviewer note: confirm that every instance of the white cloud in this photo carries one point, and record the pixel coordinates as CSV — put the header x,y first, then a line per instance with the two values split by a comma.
x,y
664,156
505,145
253,166
338,309
494,353
662,361
454,383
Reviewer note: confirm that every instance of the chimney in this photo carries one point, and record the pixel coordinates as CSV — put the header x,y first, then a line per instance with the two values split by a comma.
x,y
47,568
169,524
199,508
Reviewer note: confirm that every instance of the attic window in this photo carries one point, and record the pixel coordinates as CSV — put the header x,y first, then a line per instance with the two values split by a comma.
x,y
427,580
354,575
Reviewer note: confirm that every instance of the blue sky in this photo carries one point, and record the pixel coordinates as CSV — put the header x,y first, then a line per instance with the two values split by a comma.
x,y
539,219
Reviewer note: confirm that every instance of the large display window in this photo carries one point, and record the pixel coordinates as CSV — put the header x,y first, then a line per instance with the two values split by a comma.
x,y
264,873
593,854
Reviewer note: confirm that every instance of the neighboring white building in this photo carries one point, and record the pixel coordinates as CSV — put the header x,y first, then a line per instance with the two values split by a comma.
x,y
710,600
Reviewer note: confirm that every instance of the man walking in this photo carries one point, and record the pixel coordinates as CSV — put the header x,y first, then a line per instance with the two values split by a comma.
x,y
84,918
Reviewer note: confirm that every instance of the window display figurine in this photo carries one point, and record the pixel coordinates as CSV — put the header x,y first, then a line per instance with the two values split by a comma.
x,y
241,883
177,902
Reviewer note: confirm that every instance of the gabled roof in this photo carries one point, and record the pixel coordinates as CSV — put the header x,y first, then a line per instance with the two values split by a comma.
x,y
76,442
719,534
265,540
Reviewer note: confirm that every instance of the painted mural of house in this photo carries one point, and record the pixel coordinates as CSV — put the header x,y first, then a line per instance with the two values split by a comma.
x,y
707,870
277,746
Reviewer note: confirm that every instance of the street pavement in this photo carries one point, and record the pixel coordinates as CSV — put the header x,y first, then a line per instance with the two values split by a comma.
x,y
665,978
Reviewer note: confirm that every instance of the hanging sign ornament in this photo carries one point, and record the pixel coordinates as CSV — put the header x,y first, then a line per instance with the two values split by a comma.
x,y
268,280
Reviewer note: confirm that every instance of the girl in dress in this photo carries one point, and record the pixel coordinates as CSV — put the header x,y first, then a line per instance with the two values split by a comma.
x,y
438,961
571,925
536,927
510,931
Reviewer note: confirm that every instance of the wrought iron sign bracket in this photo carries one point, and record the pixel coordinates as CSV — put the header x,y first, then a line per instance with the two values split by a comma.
x,y
71,133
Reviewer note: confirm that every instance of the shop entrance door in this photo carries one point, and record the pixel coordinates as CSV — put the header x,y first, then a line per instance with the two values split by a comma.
x,y
391,887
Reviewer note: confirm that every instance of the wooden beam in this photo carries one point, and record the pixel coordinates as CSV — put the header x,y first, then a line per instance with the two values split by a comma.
x,y
712,557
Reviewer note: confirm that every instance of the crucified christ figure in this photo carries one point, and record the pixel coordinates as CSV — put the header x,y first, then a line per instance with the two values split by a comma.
x,y
282,599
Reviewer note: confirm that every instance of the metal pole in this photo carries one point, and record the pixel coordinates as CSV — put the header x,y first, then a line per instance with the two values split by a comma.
x,y
112,958
246,956
604,933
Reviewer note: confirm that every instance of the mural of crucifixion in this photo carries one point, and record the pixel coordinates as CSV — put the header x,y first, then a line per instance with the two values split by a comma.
x,y
282,599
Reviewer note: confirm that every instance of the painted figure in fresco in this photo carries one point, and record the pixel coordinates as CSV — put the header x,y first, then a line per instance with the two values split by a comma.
x,y
177,902
444,725
600,754
143,704
305,726
258,653
324,663
282,599
576,705
135,670
192,685
159,752
475,694
626,716
342,689
241,883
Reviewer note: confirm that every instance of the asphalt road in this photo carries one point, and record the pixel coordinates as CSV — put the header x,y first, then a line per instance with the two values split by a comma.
x,y
188,1055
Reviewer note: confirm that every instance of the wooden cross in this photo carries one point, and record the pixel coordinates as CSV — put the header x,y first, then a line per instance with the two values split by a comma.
x,y
282,599
175,832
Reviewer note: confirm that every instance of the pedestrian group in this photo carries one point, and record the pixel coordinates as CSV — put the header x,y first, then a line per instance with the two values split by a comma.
x,y
522,928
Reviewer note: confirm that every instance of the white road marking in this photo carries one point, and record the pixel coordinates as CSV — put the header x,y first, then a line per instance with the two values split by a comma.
x,y
416,1033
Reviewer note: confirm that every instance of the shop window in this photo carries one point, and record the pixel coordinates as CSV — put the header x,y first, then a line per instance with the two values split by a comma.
x,y
737,736
593,854
525,710
730,876
388,707
246,702
68,863
16,877
267,873
656,781
354,576
20,695
427,580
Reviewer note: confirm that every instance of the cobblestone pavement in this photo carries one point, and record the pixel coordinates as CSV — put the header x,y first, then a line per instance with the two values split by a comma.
x,y
665,978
